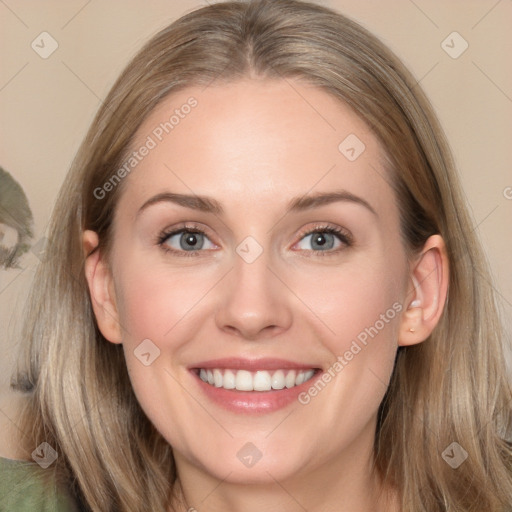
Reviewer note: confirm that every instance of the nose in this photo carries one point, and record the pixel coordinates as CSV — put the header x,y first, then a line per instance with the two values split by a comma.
x,y
254,302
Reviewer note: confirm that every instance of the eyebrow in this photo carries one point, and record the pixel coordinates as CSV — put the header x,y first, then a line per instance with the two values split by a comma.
x,y
210,205
307,202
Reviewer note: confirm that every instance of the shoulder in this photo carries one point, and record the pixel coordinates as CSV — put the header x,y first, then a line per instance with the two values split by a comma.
x,y
24,486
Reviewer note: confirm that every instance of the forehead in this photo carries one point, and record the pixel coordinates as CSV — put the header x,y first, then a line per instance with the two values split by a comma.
x,y
257,141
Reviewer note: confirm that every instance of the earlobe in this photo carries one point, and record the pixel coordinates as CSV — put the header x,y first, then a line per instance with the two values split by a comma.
x,y
101,289
427,293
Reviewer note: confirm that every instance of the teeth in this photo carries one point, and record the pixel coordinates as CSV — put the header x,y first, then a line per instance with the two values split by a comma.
x,y
229,381
278,380
261,380
308,375
243,381
217,378
290,379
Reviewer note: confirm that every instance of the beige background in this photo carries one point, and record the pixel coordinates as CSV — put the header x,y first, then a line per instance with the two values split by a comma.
x,y
47,104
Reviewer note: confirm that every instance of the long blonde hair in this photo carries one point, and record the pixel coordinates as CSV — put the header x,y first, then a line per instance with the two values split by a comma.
x,y
451,388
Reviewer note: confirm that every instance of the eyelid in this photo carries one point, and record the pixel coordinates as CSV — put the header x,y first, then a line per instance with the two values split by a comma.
x,y
339,231
343,235
191,227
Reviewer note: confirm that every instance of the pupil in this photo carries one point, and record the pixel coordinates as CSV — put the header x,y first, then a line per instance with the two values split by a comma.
x,y
189,240
320,239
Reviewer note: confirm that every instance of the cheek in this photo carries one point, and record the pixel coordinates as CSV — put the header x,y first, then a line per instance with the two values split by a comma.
x,y
154,300
360,312
352,300
359,307
158,304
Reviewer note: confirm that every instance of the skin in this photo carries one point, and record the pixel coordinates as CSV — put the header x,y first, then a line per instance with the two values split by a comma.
x,y
253,145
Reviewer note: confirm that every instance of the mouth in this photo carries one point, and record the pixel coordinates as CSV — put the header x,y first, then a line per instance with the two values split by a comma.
x,y
260,380
253,386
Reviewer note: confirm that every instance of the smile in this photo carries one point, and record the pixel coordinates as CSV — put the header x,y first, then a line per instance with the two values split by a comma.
x,y
253,386
260,380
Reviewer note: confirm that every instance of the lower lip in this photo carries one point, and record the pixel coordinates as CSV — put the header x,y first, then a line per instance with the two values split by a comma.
x,y
254,402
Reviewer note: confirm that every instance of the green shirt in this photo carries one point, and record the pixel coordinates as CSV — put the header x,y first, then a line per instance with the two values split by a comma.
x,y
23,489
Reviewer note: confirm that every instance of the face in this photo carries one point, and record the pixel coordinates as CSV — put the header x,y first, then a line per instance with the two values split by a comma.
x,y
257,246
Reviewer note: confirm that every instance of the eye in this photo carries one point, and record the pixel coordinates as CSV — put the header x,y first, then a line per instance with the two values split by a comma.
x,y
191,240
186,239
325,239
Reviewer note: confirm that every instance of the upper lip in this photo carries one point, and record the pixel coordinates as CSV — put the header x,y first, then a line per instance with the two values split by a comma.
x,y
237,363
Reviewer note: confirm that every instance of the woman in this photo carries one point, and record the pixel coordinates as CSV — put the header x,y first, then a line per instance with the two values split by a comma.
x,y
262,288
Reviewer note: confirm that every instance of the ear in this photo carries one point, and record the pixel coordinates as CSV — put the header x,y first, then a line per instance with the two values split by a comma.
x,y
428,289
101,289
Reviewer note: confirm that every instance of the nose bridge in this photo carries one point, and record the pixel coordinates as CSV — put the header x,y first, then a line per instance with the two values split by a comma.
x,y
253,301
251,272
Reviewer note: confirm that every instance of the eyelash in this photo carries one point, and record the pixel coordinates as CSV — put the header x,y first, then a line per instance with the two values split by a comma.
x,y
343,236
